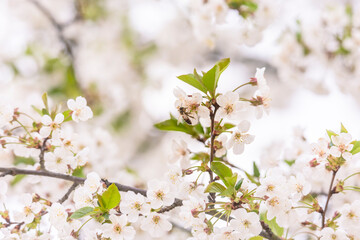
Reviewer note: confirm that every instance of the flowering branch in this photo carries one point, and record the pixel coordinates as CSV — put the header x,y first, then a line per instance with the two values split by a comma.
x,y
330,193
267,233
58,27
67,194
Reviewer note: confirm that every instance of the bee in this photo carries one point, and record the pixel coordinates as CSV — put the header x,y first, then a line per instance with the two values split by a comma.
x,y
185,115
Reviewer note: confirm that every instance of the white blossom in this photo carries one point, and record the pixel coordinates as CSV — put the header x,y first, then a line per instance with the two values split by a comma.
x,y
80,110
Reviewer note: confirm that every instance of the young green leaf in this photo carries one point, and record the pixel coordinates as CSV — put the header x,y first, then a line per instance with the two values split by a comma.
x,y
222,171
211,77
238,184
331,133
37,110
256,170
82,212
111,197
67,115
231,181
193,80
215,187
45,101
343,129
356,147
277,230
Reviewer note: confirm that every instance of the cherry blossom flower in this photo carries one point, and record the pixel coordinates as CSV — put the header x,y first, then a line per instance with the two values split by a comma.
x,y
29,210
230,106
50,125
156,224
159,194
58,215
58,160
3,190
6,114
188,106
321,149
80,112
118,228
299,186
246,223
82,198
350,216
133,205
180,153
239,138
226,233
93,182
342,146
329,233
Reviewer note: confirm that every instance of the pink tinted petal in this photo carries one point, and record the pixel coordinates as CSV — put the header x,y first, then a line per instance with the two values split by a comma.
x,y
334,151
249,139
81,102
59,118
232,97
238,148
244,126
71,104
221,100
45,131
46,120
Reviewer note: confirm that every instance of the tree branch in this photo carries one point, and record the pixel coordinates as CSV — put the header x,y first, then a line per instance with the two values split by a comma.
x,y
42,152
58,27
330,193
67,194
266,233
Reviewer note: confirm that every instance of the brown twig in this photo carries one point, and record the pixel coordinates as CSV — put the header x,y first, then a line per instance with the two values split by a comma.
x,y
330,193
58,27
41,155
67,194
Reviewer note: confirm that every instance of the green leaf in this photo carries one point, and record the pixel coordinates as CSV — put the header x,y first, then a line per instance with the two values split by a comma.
x,y
331,133
256,170
289,162
356,147
229,192
23,160
231,181
17,179
121,120
67,115
37,110
82,212
256,238
45,112
79,172
111,197
172,125
238,184
276,229
251,178
343,129
228,126
221,170
215,187
194,81
45,101
211,78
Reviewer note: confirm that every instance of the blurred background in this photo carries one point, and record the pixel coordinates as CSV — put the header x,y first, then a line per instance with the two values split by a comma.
x,y
124,56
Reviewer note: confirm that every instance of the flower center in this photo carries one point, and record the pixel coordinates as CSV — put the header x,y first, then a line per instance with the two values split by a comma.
x,y
117,228
156,219
137,206
160,195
